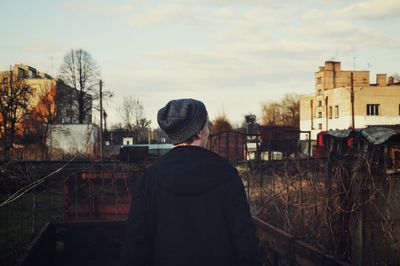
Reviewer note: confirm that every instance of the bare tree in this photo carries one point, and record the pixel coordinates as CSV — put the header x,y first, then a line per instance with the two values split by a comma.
x,y
221,124
14,102
131,112
160,136
283,112
291,109
80,71
271,113
133,118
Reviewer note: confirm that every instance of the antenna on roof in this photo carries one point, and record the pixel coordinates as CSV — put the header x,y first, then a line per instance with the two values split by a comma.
x,y
51,58
368,65
354,63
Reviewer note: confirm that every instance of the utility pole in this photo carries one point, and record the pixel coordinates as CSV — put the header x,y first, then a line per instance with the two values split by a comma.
x,y
101,120
105,121
326,114
312,113
51,59
352,100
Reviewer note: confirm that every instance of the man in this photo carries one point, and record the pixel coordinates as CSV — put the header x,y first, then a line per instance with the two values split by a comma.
x,y
190,208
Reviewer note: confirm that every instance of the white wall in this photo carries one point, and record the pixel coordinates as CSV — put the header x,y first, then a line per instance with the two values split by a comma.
x,y
71,139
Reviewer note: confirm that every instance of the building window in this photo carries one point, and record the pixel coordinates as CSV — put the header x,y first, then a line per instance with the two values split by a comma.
x,y
320,126
372,109
330,112
319,80
319,114
31,74
319,92
336,111
319,103
21,73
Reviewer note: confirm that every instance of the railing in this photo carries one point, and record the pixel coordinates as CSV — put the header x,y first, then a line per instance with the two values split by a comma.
x,y
76,243
100,243
282,247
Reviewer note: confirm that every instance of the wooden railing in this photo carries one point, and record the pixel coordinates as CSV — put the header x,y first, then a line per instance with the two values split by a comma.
x,y
282,248
94,242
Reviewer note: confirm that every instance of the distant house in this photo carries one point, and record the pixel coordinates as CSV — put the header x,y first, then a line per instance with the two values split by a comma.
x,y
119,136
345,99
127,141
50,94
52,106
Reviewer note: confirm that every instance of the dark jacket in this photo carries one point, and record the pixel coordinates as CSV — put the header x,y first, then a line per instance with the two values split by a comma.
x,y
190,209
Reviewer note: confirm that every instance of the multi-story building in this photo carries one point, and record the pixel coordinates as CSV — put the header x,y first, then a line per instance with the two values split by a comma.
x,y
49,127
63,98
345,99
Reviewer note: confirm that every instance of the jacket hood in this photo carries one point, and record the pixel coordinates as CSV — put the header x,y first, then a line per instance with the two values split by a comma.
x,y
192,170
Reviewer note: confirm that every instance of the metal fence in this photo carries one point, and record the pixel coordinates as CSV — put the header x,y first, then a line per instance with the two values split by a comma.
x,y
347,206
34,193
344,206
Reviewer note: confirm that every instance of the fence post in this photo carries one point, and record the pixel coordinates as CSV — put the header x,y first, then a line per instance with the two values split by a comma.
x,y
328,191
347,173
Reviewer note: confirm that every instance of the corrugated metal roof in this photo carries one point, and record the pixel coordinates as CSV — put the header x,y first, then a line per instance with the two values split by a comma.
x,y
374,135
379,135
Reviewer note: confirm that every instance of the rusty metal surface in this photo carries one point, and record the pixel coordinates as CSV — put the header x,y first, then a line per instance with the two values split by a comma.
x,y
98,195
229,145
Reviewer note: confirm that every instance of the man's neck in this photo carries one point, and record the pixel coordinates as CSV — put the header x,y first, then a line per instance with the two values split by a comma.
x,y
196,142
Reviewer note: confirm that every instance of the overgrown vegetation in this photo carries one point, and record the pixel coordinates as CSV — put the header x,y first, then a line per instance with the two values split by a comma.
x,y
346,206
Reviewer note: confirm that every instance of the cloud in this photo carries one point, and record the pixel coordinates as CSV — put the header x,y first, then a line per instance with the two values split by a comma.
x,y
224,12
167,14
226,2
327,29
96,8
373,9
346,35
314,14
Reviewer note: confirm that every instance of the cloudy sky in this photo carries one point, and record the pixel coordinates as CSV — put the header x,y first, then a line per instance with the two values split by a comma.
x,y
232,54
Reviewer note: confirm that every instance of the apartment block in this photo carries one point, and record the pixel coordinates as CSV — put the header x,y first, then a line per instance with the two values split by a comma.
x,y
42,85
345,99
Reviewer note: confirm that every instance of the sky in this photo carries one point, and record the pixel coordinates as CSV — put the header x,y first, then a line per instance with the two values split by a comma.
x,y
234,55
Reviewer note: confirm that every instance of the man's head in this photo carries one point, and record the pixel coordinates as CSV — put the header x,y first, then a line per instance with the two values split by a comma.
x,y
185,121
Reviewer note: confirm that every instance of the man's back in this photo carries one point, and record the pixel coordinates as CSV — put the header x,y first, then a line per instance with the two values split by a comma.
x,y
195,212
190,208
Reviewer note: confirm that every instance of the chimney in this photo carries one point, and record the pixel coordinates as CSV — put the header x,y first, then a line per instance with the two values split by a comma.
x,y
332,66
329,65
381,80
336,66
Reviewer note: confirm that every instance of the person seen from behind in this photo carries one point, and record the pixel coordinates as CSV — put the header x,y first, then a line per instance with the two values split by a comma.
x,y
190,208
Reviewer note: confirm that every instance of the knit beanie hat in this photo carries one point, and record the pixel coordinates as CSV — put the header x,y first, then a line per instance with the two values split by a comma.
x,y
181,119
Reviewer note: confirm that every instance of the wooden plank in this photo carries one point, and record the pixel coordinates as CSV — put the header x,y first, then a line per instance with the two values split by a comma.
x,y
297,252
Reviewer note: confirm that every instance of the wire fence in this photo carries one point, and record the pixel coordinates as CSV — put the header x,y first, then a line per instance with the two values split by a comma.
x,y
347,206
34,193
